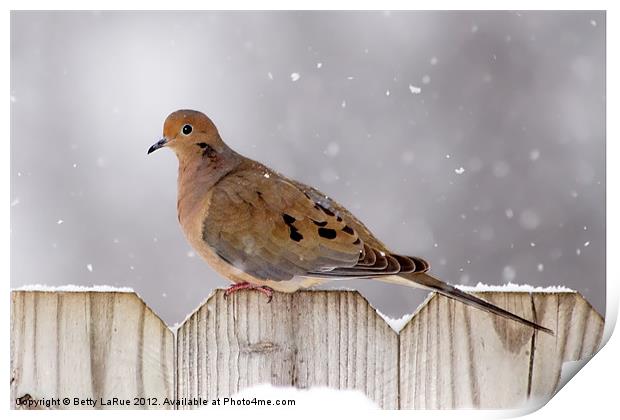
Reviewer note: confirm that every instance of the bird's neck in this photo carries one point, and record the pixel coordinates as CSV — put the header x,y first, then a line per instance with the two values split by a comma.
x,y
198,174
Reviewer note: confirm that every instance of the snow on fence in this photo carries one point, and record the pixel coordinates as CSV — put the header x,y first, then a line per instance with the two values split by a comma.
x,y
97,346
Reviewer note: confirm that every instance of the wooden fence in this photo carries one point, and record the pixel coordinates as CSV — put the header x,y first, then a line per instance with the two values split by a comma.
x,y
97,346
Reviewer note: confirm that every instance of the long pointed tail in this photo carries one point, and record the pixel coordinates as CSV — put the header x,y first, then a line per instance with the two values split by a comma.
x,y
427,281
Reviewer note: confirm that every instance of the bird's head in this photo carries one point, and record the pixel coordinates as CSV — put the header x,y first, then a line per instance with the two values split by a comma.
x,y
190,133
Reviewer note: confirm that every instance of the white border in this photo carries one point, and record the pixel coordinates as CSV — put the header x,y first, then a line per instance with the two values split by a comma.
x,y
591,393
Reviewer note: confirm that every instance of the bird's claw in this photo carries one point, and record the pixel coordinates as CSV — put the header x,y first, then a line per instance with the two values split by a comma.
x,y
267,291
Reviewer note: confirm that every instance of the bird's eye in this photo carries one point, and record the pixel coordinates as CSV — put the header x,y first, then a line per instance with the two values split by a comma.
x,y
187,129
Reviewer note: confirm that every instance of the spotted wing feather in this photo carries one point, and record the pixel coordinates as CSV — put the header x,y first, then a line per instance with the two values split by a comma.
x,y
282,229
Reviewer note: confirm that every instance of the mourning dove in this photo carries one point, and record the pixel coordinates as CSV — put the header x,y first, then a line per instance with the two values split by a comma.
x,y
264,231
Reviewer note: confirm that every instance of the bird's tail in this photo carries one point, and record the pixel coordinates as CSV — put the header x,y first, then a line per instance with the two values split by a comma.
x,y
429,282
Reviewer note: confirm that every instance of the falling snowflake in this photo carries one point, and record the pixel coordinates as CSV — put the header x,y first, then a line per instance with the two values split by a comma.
x,y
332,149
295,77
89,267
459,171
414,89
509,274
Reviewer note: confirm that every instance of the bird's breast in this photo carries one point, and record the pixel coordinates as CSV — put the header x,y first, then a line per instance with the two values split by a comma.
x,y
192,213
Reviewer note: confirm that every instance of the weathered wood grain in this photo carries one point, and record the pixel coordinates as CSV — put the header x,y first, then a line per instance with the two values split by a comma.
x,y
88,345
103,345
579,330
453,356
310,338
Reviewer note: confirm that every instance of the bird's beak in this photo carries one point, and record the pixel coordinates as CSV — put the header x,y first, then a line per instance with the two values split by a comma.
x,y
161,143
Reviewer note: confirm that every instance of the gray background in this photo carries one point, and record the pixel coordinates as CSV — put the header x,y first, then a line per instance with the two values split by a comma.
x,y
515,99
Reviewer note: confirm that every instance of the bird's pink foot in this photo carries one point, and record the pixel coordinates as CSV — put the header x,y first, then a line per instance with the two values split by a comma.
x,y
267,291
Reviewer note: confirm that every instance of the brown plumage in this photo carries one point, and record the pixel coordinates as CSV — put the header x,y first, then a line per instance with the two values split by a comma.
x,y
262,230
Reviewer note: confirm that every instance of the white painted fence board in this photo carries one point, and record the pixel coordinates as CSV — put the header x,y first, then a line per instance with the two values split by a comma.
x,y
88,345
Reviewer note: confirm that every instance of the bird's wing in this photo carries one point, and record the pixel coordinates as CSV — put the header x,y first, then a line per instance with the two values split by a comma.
x,y
373,248
275,229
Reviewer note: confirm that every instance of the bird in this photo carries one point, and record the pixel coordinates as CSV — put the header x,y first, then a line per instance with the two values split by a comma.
x,y
264,231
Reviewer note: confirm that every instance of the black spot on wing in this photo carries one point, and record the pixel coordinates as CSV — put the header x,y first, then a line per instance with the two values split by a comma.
x,y
319,223
347,229
289,220
295,235
327,233
293,232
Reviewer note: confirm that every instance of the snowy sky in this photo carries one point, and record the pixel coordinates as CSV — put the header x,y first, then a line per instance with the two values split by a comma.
x,y
475,140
